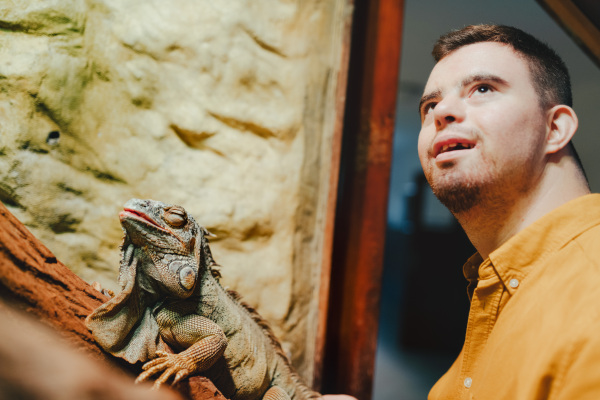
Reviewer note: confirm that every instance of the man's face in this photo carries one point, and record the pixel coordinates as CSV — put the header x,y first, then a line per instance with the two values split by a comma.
x,y
483,130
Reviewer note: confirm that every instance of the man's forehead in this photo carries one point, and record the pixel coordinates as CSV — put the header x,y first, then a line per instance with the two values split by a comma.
x,y
485,58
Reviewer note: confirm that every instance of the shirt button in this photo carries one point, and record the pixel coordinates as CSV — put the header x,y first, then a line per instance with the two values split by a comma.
x,y
468,382
514,283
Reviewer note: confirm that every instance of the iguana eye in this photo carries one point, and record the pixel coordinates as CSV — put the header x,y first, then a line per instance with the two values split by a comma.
x,y
175,216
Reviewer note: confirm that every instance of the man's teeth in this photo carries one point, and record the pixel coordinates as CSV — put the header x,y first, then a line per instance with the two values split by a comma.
x,y
453,145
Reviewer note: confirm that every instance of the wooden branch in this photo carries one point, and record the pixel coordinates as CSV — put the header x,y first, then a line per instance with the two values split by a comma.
x,y
37,363
34,281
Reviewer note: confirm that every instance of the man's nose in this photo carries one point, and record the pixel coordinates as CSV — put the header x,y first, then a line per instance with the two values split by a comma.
x,y
449,110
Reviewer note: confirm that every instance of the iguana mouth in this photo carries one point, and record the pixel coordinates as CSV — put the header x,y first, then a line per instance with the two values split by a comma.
x,y
129,213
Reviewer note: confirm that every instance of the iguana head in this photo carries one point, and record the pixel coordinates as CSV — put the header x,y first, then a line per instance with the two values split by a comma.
x,y
170,238
164,254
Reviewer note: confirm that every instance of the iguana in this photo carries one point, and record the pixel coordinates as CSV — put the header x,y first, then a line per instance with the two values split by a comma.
x,y
171,295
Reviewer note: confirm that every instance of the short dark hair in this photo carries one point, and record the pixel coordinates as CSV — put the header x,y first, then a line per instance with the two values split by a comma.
x,y
549,73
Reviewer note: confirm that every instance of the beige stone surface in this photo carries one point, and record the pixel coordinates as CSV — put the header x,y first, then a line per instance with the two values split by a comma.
x,y
223,107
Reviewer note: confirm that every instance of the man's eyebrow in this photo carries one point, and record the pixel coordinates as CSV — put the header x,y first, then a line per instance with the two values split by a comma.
x,y
465,82
482,78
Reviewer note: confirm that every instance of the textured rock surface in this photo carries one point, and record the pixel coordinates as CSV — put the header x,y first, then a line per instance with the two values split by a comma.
x,y
37,363
222,107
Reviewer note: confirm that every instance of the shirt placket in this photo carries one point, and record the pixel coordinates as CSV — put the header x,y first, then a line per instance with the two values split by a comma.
x,y
485,302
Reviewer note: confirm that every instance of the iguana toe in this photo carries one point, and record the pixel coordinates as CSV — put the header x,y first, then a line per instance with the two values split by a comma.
x,y
169,365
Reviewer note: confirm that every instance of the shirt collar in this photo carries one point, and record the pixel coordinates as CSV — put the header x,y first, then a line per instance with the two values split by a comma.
x,y
515,258
471,272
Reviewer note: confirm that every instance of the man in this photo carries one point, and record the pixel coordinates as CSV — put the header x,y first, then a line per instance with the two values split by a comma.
x,y
495,146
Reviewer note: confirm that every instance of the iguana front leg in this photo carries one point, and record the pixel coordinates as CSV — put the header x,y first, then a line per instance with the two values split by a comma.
x,y
203,340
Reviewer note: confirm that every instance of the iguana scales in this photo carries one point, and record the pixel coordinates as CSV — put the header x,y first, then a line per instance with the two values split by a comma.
x,y
171,295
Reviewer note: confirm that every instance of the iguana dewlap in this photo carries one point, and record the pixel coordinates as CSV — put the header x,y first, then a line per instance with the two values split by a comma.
x,y
170,295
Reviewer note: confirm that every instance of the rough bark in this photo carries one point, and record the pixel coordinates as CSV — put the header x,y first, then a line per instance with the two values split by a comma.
x,y
33,281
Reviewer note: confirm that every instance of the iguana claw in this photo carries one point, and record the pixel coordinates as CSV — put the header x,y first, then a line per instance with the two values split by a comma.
x,y
169,364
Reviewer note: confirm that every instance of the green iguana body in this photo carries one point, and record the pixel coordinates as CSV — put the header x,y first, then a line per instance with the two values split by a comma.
x,y
171,295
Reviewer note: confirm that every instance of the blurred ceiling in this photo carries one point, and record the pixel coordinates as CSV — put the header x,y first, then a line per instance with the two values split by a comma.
x,y
581,20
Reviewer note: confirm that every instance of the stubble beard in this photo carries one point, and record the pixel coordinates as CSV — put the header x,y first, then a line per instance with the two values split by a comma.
x,y
459,197
460,191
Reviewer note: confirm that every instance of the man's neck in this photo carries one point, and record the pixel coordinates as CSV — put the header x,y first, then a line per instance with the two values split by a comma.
x,y
490,224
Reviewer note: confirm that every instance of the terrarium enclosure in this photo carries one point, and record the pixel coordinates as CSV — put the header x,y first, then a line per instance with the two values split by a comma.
x,y
230,109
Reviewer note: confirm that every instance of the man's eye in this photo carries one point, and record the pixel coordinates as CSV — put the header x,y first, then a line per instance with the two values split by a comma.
x,y
483,89
428,107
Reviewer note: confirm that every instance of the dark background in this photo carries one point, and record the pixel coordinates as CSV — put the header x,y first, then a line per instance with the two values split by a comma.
x,y
424,302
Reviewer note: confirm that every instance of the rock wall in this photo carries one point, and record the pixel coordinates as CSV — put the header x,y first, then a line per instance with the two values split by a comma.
x,y
223,107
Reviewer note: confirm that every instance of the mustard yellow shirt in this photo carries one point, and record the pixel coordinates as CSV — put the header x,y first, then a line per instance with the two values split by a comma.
x,y
534,323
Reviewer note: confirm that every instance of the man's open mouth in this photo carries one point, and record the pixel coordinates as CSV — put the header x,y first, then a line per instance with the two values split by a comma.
x,y
456,146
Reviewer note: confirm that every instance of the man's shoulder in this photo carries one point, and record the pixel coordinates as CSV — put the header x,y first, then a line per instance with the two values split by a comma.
x,y
571,276
586,248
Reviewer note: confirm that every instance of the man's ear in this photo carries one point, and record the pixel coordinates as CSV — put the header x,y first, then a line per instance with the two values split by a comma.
x,y
562,125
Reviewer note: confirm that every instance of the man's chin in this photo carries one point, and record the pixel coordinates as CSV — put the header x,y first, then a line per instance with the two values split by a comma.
x,y
458,199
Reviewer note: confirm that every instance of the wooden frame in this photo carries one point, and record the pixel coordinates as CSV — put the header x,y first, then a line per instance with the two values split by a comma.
x,y
330,207
581,20
361,216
